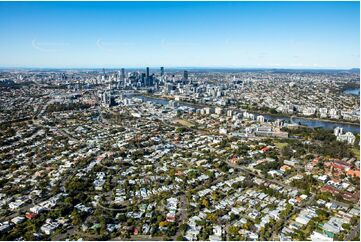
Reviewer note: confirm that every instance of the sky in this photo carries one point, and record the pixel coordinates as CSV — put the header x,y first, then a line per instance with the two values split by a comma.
x,y
180,34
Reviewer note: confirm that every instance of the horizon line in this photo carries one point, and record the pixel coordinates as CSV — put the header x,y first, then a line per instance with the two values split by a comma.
x,y
188,67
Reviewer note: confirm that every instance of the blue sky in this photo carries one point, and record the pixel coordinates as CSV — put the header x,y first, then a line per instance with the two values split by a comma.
x,y
180,34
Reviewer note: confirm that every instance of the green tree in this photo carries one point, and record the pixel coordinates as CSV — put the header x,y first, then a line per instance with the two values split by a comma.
x,y
75,218
233,230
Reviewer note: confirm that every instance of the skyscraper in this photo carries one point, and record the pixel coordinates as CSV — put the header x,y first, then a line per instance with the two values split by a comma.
x,y
185,75
162,71
143,79
147,77
122,74
147,73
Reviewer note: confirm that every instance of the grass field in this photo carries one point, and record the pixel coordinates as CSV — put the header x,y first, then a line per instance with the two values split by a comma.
x,y
280,145
184,123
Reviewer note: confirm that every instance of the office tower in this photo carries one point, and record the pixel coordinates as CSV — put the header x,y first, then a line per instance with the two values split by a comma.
x,y
150,81
105,97
116,76
147,77
147,73
122,74
185,75
162,71
108,99
143,79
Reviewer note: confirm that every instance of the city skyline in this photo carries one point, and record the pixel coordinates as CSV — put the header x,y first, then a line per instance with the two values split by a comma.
x,y
296,35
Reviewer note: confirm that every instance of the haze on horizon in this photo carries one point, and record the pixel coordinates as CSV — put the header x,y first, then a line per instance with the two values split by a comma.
x,y
180,34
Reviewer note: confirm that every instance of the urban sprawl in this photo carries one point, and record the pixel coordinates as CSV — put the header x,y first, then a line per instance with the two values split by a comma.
x,y
174,154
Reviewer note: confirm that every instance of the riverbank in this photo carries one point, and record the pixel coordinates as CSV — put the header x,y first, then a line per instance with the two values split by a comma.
x,y
259,112
355,123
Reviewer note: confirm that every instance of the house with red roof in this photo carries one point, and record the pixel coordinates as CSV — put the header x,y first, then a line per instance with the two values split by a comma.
x,y
31,215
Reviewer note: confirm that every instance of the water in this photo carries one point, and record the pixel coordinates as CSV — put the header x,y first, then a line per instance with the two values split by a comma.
x,y
354,128
353,91
154,100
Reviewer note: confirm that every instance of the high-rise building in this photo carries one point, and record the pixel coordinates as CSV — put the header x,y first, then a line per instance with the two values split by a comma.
x,y
143,79
185,75
122,74
151,80
108,99
162,71
147,72
147,77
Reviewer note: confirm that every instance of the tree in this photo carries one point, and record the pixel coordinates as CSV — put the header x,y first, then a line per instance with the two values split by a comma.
x,y
212,217
354,220
75,217
233,230
262,233
179,238
299,235
183,228
247,225
29,235
214,196
346,226
163,224
205,203
322,214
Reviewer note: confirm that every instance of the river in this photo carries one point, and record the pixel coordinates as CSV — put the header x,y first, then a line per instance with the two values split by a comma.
x,y
352,91
313,123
